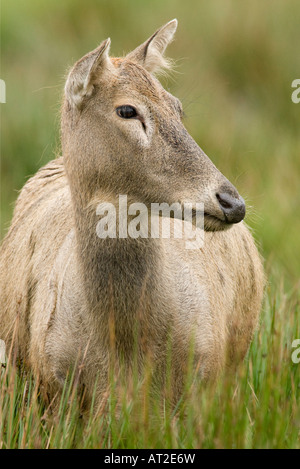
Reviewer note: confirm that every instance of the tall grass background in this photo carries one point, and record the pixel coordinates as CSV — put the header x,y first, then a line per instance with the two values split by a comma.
x,y
235,62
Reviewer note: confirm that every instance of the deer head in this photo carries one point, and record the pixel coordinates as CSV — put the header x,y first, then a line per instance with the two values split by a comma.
x,y
122,133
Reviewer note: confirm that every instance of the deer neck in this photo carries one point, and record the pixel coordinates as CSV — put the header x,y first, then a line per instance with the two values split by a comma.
x,y
121,275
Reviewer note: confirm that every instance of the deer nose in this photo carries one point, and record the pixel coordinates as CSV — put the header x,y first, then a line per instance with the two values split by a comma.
x,y
234,208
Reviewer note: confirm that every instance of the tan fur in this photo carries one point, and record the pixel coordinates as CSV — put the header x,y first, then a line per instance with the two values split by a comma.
x,y
65,293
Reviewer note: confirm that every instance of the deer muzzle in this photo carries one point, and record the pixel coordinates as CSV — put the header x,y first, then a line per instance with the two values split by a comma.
x,y
233,207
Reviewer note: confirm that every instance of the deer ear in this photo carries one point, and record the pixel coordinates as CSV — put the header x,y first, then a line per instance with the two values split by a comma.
x,y
150,53
81,79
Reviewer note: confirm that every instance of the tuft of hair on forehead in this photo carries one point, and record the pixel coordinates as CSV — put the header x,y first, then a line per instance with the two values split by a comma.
x,y
133,76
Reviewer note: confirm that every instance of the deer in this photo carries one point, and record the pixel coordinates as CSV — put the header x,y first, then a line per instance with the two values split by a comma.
x,y
72,300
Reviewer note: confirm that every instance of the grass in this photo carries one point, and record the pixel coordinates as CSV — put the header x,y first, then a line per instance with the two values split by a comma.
x,y
236,62
255,408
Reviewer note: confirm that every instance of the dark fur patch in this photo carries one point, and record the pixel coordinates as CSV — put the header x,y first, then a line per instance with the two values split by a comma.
x,y
221,277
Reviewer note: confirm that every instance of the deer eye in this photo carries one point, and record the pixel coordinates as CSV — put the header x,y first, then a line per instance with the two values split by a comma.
x,y
126,112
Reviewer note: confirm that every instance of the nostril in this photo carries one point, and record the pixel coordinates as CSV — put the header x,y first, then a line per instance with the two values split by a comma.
x,y
224,200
